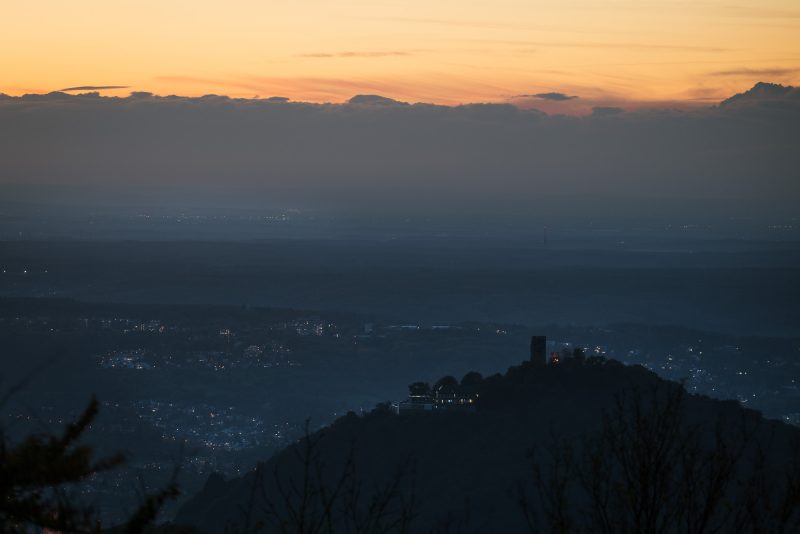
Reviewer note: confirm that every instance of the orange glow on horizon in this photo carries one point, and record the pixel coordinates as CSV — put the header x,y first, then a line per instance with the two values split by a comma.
x,y
605,52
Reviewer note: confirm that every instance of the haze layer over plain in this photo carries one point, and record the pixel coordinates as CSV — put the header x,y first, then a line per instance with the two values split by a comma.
x,y
373,152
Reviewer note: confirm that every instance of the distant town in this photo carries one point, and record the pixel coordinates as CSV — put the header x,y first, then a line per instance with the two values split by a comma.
x,y
216,388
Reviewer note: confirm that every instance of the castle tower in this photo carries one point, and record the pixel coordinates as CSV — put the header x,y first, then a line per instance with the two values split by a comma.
x,y
539,350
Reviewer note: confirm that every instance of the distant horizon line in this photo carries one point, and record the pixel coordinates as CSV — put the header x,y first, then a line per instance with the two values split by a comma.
x,y
550,100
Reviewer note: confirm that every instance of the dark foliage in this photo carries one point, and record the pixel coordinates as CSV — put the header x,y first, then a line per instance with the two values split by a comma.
x,y
321,499
633,453
649,469
36,474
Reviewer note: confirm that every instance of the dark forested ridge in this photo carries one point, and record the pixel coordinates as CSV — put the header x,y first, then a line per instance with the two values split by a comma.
x,y
549,448
223,387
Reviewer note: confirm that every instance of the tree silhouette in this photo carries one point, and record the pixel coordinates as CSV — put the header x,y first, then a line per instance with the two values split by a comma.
x,y
35,472
649,470
318,501
446,383
472,379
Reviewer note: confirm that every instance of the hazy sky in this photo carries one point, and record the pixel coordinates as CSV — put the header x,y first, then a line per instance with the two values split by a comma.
x,y
442,51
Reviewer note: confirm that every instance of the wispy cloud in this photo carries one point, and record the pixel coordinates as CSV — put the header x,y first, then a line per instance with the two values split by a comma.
x,y
604,44
346,54
756,72
556,97
604,111
312,88
218,82
707,94
753,12
455,22
93,88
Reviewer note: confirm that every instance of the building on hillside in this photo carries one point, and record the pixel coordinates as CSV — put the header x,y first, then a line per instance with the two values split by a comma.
x,y
454,396
447,394
415,405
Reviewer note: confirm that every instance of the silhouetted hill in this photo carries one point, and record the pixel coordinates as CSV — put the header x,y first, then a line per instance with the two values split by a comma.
x,y
465,469
763,91
375,100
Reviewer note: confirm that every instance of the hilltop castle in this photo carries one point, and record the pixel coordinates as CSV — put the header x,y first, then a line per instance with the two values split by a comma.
x,y
450,394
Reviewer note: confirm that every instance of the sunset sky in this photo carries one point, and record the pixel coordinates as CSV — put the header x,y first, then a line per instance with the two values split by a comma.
x,y
444,51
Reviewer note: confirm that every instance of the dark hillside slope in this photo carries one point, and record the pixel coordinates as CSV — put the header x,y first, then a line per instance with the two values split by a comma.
x,y
465,469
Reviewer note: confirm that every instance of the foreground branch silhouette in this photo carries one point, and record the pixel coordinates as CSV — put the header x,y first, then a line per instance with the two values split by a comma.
x,y
650,470
318,501
649,466
35,472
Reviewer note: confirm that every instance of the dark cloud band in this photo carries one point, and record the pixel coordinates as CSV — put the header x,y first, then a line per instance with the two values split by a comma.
x,y
555,97
93,88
